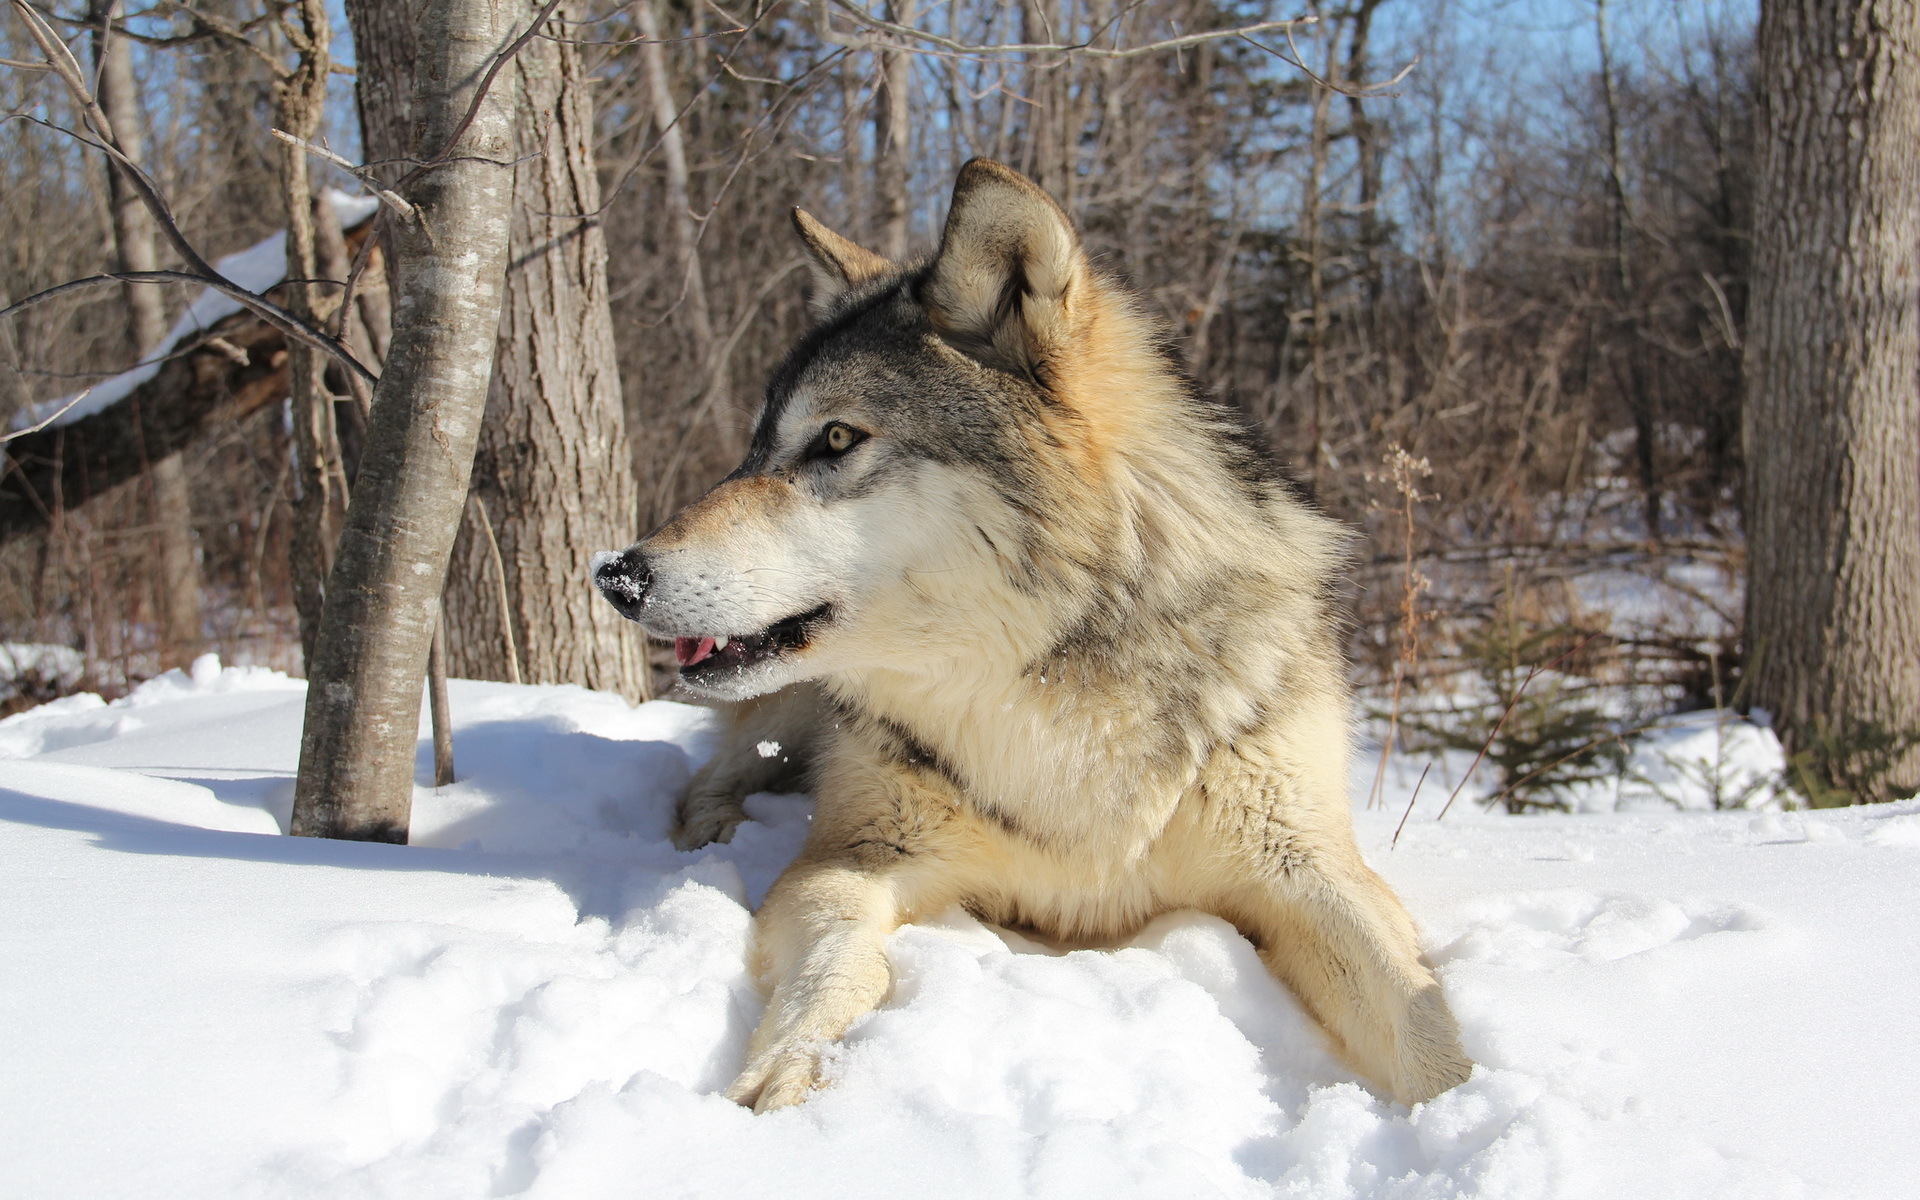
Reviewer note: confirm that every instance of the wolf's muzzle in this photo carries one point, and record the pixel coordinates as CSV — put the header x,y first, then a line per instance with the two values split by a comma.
x,y
623,579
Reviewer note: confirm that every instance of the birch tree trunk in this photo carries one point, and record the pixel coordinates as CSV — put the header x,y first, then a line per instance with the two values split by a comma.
x,y
383,595
1832,428
554,475
178,567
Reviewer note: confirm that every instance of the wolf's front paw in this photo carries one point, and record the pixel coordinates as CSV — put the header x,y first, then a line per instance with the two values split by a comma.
x,y
1431,1060
701,819
781,1076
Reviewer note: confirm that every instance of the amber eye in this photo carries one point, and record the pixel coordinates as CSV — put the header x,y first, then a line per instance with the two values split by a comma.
x,y
836,439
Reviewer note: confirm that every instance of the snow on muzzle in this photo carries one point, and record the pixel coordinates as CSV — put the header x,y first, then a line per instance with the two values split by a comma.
x,y
623,578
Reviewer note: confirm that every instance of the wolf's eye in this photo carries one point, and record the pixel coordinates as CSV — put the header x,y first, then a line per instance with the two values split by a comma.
x,y
836,439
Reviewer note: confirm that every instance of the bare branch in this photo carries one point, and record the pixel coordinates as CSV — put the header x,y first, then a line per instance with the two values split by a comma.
x,y
1298,62
255,303
61,61
640,41
49,419
1086,49
398,202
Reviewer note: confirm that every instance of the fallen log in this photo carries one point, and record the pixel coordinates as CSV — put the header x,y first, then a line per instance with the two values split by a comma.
x,y
240,368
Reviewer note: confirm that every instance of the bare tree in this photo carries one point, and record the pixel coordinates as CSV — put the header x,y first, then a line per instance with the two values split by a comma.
x,y
892,138
1832,433
448,274
179,569
320,496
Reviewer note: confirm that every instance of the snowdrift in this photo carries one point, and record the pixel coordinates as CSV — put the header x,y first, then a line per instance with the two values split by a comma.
x,y
540,997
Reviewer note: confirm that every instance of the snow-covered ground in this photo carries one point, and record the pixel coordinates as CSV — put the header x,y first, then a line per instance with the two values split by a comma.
x,y
540,997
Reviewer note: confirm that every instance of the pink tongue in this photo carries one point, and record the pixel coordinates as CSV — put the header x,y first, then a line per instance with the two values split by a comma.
x,y
692,650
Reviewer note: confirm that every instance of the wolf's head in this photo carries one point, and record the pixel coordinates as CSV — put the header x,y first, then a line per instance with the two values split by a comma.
x,y
929,477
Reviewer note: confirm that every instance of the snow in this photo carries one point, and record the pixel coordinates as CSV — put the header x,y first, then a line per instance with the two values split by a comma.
x,y
38,663
541,997
256,268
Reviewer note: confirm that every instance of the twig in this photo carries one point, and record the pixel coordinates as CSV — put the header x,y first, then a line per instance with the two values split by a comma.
x,y
49,419
500,575
1297,62
1533,673
639,41
1083,48
1595,744
399,204
1395,843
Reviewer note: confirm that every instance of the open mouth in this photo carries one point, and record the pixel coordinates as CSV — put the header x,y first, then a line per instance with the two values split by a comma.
x,y
702,656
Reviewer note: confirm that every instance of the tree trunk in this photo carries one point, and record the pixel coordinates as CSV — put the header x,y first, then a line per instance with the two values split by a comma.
x,y
892,130
554,470
320,485
686,237
383,596
1832,427
176,564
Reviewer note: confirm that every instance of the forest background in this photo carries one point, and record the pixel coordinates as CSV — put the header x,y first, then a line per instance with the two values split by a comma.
x,y
1479,270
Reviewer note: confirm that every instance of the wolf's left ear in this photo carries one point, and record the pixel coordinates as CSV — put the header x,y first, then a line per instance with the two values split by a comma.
x,y
1008,282
837,263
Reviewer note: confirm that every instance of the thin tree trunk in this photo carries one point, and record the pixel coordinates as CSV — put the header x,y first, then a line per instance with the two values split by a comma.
x,y
1314,201
177,564
1366,151
1630,372
320,499
1832,427
442,718
686,238
892,137
383,597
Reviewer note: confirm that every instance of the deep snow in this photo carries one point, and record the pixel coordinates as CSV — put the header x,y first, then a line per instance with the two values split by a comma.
x,y
541,997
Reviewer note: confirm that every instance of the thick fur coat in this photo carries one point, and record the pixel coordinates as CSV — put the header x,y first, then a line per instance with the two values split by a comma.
x,y
1054,638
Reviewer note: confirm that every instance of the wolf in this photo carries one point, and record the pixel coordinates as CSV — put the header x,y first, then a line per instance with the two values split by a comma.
x,y
1043,629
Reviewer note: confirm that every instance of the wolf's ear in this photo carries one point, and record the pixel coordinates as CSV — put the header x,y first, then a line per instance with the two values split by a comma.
x,y
837,263
1009,279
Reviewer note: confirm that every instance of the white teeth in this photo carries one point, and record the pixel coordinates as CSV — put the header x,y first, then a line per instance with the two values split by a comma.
x,y
720,643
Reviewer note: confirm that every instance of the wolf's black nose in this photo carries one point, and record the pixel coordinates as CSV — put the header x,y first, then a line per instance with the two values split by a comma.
x,y
623,580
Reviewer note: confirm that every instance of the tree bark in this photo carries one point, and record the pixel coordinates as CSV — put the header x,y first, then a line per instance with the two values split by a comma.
x,y
383,596
554,469
320,485
1832,426
892,130
177,565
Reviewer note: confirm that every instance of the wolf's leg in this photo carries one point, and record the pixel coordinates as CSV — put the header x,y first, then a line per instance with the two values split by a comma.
x,y
1333,932
887,841
787,723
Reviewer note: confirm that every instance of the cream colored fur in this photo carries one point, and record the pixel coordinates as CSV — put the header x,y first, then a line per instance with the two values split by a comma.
x,y
1198,760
